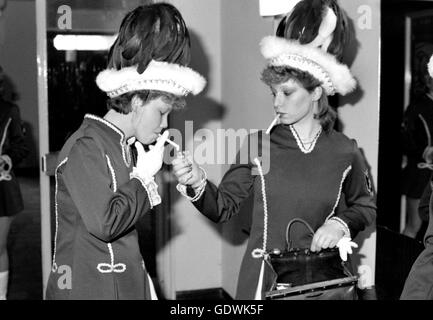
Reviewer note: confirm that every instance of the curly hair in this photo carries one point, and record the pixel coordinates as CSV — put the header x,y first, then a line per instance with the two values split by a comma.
x,y
273,75
122,104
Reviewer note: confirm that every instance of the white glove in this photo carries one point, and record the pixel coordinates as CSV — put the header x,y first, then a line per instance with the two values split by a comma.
x,y
149,163
345,246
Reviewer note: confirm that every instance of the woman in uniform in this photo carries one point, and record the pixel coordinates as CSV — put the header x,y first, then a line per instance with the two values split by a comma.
x,y
13,149
314,172
101,191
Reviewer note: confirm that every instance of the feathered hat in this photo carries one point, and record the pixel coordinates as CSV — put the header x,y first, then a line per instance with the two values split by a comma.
x,y
311,38
151,52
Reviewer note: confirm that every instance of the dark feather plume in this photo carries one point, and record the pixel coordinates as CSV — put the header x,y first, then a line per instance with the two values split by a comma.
x,y
342,31
303,23
155,31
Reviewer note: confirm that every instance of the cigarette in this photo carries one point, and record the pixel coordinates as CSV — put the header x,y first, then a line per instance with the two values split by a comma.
x,y
273,124
174,144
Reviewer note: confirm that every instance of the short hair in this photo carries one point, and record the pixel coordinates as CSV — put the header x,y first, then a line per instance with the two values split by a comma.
x,y
122,104
273,75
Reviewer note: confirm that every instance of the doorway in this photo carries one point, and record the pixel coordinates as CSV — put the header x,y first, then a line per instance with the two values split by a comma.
x,y
403,22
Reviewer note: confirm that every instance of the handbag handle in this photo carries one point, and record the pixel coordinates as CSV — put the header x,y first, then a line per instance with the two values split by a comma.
x,y
289,226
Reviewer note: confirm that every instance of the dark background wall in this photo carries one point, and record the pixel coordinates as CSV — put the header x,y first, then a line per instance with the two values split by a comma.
x,y
391,107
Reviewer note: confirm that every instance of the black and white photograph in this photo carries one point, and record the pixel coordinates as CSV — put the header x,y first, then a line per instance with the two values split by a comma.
x,y
231,152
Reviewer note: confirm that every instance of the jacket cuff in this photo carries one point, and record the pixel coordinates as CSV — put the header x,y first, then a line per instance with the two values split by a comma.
x,y
342,224
198,192
151,188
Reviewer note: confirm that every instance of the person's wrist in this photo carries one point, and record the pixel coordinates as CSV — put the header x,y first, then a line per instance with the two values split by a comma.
x,y
201,178
339,225
198,188
150,186
145,176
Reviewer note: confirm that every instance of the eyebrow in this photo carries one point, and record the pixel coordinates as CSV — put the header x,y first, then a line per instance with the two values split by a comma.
x,y
285,87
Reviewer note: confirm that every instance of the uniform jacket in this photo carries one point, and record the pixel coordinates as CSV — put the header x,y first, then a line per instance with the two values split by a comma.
x,y
96,250
331,180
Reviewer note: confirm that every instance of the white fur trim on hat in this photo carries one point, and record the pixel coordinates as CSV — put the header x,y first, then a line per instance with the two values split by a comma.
x,y
158,75
334,76
430,66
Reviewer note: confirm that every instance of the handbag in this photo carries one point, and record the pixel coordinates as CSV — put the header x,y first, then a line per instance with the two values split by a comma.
x,y
301,274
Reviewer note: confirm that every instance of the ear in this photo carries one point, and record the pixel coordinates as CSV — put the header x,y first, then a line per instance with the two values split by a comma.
x,y
135,103
317,93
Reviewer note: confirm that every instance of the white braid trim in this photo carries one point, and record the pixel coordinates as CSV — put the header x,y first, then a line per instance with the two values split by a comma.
x,y
111,267
7,159
113,174
158,75
198,191
427,131
299,142
261,253
425,165
126,149
56,210
330,217
334,76
342,224
4,135
430,66
299,62
5,174
345,173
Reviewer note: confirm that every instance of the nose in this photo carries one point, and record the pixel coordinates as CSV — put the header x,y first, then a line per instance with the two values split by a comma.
x,y
277,101
164,122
